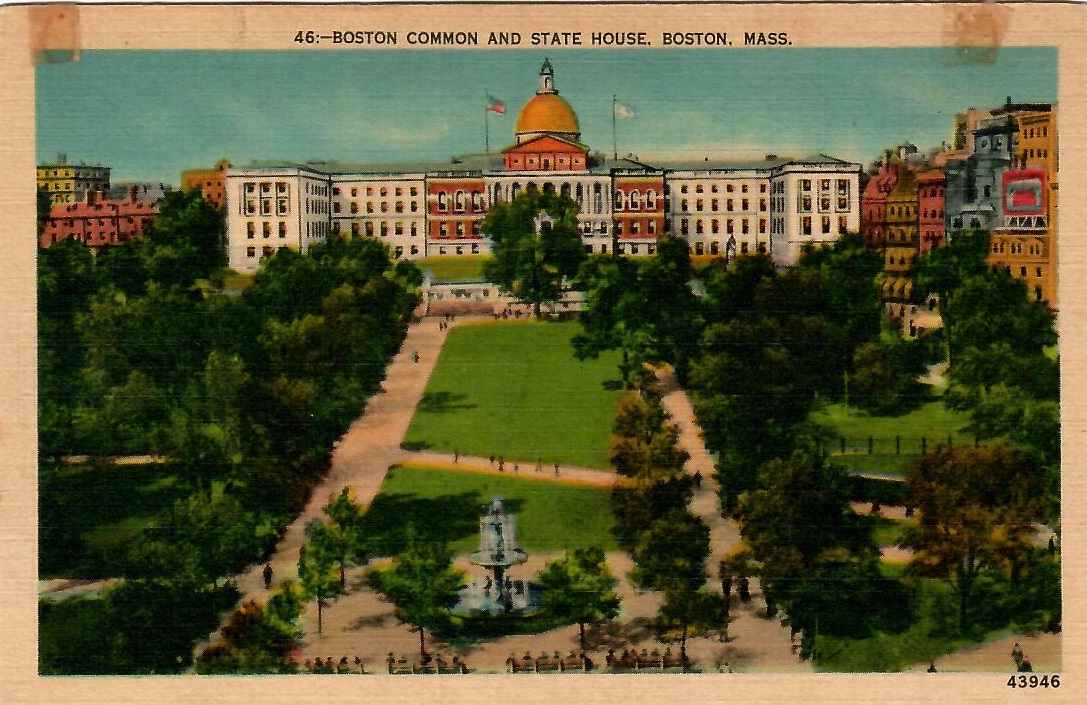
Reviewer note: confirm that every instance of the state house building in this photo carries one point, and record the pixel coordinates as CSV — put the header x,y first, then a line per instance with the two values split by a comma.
x,y
772,205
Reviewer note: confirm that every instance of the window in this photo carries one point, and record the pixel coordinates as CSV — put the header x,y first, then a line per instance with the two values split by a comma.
x,y
745,203
458,202
251,252
683,226
250,228
398,228
698,205
618,200
715,226
651,199
460,228
730,226
805,225
636,228
635,199
683,188
805,204
282,229
729,205
477,201
265,187
652,227
805,184
266,228
699,227
398,207
826,225
762,205
824,203
354,229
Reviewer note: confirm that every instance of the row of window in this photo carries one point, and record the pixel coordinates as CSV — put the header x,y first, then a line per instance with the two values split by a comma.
x,y
383,191
383,206
460,199
715,205
634,201
1036,153
729,188
824,225
1016,248
715,226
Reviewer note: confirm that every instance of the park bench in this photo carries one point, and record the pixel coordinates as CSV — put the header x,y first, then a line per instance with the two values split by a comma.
x,y
548,664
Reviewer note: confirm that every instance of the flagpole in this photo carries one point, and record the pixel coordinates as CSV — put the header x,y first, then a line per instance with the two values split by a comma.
x,y
614,144
486,127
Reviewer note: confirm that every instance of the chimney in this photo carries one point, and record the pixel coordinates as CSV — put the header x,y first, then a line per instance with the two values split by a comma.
x,y
133,192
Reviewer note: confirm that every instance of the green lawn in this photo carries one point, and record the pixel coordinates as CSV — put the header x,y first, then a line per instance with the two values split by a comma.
x,y
446,505
88,514
453,268
515,390
931,422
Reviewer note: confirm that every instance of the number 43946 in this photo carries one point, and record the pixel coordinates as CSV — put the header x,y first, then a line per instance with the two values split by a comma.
x,y
1022,680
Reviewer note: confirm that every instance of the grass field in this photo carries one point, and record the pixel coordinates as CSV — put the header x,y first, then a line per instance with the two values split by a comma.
x,y
515,390
453,268
446,505
88,514
932,422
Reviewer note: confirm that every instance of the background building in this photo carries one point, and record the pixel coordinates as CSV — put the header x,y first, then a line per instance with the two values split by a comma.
x,y
70,183
211,182
720,208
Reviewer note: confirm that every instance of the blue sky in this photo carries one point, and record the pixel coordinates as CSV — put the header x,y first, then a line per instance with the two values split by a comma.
x,y
150,114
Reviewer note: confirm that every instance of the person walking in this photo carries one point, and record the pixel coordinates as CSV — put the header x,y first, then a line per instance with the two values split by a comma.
x,y
267,575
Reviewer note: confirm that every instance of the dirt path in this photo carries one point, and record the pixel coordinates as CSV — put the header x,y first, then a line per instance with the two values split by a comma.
x,y
755,640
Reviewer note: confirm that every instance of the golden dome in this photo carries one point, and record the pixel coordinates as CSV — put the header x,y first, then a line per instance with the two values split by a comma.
x,y
547,112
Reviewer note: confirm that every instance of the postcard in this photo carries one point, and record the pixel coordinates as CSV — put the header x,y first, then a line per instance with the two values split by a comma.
x,y
611,352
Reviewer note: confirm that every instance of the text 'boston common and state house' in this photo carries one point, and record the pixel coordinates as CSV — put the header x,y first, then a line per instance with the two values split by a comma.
x,y
378,37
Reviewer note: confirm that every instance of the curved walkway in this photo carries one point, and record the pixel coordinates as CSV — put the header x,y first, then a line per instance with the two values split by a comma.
x,y
755,641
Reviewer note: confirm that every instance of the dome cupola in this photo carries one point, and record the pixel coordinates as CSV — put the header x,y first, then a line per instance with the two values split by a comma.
x,y
547,112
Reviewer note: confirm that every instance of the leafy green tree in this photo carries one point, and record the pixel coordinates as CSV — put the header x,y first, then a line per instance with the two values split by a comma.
x,y
200,540
580,587
644,447
672,553
976,511
423,585
886,371
644,307
690,612
44,205
186,239
258,638
317,566
535,245
348,542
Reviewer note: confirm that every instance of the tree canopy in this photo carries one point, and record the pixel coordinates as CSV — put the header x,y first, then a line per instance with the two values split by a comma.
x,y
423,585
535,246
976,511
580,587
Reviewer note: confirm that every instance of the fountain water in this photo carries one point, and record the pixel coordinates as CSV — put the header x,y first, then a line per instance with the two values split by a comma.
x,y
498,550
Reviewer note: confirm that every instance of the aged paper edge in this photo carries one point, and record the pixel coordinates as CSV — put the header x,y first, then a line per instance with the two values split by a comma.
x,y
25,32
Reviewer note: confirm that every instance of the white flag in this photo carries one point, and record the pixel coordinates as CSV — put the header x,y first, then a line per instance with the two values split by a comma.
x,y
622,111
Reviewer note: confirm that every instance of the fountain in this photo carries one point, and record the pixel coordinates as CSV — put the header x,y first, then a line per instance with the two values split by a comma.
x,y
498,550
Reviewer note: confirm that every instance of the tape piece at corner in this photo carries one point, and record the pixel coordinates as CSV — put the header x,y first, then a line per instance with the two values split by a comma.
x,y
54,33
974,32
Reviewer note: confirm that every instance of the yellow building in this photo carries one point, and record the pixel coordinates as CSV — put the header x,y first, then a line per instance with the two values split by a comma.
x,y
1026,246
69,183
902,245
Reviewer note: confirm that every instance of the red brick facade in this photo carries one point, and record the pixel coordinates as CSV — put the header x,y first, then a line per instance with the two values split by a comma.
x,y
98,221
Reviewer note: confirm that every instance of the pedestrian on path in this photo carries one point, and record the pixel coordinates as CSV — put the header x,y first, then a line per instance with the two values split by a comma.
x,y
492,460
501,464
556,469
697,479
456,456
268,576
1017,654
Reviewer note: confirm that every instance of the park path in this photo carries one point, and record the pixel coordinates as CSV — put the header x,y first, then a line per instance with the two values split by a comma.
x,y
362,456
755,640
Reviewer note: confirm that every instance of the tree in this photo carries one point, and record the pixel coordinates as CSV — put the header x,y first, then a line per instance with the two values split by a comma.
x,y
644,307
349,542
423,585
690,612
258,638
672,553
317,566
44,205
885,377
580,587
644,448
186,239
535,245
976,509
